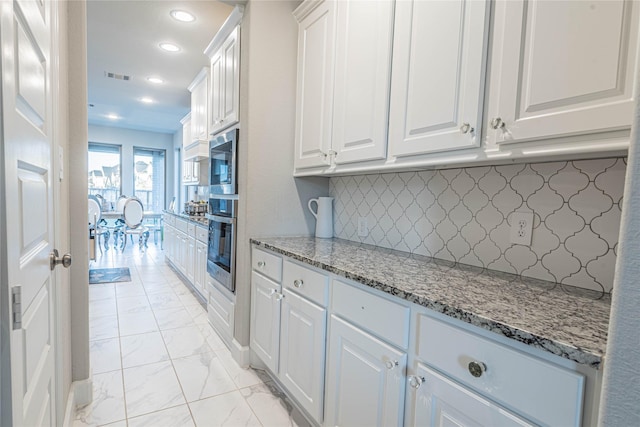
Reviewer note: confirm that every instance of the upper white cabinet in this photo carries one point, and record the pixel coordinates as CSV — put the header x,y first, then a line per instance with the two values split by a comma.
x,y
224,94
196,141
316,43
364,33
438,77
562,68
344,67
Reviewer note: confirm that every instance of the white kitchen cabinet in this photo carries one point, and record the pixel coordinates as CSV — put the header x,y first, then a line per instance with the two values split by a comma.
x,y
200,268
314,99
365,379
224,94
437,84
344,66
561,68
364,32
302,351
440,402
198,146
265,319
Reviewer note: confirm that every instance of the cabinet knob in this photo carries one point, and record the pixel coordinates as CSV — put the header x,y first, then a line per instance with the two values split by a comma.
x,y
477,368
466,128
279,296
261,264
298,283
497,123
390,364
416,381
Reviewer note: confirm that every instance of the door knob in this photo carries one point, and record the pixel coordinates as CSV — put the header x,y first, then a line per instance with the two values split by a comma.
x,y
466,128
54,260
415,381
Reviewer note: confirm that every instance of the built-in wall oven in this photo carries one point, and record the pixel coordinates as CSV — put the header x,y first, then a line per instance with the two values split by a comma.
x,y
221,252
223,163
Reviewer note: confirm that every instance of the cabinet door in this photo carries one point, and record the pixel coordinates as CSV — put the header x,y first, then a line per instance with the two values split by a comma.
x,y
440,402
231,79
265,319
190,258
365,379
362,79
438,76
316,38
562,68
186,133
216,93
302,350
200,268
199,110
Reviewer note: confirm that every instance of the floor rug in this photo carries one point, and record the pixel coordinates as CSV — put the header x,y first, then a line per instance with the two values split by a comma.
x,y
109,275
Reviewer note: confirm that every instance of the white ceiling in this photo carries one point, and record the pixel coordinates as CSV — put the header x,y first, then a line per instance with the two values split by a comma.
x,y
123,38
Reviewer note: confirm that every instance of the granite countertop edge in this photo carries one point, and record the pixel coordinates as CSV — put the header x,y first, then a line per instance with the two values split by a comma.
x,y
191,218
565,350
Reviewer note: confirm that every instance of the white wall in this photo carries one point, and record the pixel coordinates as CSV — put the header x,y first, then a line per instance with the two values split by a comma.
x,y
621,388
272,202
128,139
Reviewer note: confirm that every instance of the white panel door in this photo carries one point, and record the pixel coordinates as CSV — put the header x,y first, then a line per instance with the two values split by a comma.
x,y
362,78
440,402
438,76
215,106
562,68
316,38
231,79
190,260
265,319
365,379
200,268
26,36
302,351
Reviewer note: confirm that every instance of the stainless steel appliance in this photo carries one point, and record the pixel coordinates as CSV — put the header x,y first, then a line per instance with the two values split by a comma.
x,y
223,161
221,252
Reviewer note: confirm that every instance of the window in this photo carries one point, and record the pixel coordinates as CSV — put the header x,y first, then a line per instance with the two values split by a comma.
x,y
104,171
149,178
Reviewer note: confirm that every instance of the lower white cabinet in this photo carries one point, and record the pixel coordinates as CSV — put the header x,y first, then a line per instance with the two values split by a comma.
x,y
365,379
265,319
439,402
190,257
303,331
200,268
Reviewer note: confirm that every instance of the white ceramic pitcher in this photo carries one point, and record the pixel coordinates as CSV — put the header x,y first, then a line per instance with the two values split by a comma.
x,y
324,216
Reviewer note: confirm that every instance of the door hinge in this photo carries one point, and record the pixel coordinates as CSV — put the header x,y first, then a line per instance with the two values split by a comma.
x,y
16,307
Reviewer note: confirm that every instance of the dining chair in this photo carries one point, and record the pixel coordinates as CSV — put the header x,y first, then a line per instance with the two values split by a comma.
x,y
96,221
133,215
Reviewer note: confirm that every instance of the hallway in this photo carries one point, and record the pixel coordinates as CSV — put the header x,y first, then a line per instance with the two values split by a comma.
x,y
157,362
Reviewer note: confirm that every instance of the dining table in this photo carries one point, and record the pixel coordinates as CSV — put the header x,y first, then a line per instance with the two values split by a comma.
x,y
153,220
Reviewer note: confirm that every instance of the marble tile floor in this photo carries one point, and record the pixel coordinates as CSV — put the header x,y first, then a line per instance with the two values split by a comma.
x,y
157,362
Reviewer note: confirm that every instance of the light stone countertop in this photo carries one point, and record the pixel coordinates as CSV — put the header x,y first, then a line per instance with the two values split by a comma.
x,y
196,219
563,320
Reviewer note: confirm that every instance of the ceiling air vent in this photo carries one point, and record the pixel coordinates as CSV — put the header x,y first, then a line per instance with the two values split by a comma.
x,y
117,76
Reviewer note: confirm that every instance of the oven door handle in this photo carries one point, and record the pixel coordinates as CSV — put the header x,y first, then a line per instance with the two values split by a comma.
x,y
223,219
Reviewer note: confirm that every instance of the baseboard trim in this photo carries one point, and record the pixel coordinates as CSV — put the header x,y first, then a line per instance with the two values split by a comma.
x,y
80,394
241,354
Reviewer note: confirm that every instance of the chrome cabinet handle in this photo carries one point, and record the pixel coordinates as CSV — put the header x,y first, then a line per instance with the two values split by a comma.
x,y
55,260
497,123
477,368
390,364
279,296
298,283
416,381
466,128
261,264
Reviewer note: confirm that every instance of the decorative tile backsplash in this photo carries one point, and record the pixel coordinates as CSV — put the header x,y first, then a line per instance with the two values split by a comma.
x,y
464,215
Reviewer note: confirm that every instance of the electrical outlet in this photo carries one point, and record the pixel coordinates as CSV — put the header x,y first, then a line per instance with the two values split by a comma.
x,y
521,228
363,228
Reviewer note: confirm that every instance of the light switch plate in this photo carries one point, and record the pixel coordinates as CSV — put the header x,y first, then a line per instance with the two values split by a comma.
x,y
363,227
521,228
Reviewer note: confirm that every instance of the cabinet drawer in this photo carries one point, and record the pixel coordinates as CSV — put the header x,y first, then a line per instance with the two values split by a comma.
x,y
220,310
191,229
168,219
384,318
181,225
266,263
202,234
546,393
306,282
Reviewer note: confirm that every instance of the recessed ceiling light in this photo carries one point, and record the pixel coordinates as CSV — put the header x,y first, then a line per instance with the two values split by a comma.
x,y
182,16
113,116
169,47
156,80
146,100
